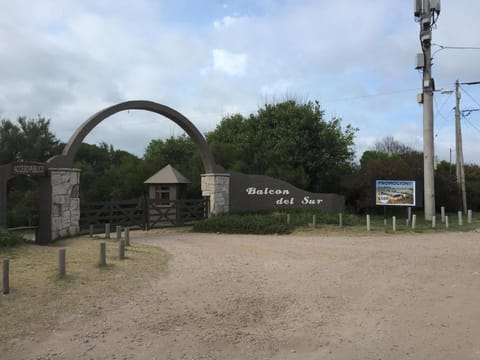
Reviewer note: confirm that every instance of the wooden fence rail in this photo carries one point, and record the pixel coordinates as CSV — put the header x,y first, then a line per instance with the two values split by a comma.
x,y
144,213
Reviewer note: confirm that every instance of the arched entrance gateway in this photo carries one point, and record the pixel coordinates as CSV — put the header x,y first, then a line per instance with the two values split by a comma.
x,y
59,192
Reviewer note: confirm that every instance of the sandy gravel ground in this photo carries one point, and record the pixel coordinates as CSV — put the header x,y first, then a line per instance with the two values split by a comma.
x,y
287,297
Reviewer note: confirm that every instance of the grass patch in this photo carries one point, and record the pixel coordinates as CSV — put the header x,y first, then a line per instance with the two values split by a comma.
x,y
301,221
40,300
248,223
10,239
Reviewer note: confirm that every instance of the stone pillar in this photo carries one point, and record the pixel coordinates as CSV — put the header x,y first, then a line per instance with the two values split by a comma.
x,y
217,188
65,187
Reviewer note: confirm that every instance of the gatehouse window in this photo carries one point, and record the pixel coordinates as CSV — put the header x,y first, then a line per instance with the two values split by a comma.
x,y
162,194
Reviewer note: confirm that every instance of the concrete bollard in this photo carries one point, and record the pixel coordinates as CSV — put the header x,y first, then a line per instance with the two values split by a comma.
x,y
121,249
446,221
394,223
107,231
103,254
414,221
469,216
460,218
127,236
6,277
434,221
442,212
90,231
61,262
314,221
368,223
288,219
119,232
340,220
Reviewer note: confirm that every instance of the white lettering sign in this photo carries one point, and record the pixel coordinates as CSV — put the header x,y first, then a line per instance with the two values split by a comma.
x,y
266,191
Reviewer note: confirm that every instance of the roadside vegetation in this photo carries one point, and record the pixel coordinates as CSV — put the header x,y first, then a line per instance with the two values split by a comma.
x,y
300,221
9,239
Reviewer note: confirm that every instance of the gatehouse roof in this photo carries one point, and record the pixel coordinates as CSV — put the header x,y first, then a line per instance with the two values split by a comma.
x,y
167,175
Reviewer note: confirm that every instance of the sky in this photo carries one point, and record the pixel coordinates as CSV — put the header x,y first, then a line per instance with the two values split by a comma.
x,y
67,59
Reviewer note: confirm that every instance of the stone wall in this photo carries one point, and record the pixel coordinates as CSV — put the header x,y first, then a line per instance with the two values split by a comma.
x,y
65,202
217,188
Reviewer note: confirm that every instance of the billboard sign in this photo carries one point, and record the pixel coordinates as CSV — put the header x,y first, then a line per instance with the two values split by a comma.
x,y
395,193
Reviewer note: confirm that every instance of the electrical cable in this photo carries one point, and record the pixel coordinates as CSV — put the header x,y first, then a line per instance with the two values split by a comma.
x,y
372,95
471,97
471,124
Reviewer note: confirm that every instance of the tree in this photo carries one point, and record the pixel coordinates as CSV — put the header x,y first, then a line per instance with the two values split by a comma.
x,y
109,174
388,145
289,140
389,159
27,140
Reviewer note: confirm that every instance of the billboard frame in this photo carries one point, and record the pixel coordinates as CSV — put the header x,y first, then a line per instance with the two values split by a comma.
x,y
398,193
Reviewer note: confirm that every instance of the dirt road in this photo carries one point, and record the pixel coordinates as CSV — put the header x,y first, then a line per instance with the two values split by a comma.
x,y
287,297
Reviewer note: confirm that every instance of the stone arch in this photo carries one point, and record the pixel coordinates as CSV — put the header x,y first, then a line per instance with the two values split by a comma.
x,y
65,160
60,204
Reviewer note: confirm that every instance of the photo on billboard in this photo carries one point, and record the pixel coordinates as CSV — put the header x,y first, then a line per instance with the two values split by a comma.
x,y
395,193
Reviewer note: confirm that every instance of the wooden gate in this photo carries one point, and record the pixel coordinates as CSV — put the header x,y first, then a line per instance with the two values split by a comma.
x,y
144,213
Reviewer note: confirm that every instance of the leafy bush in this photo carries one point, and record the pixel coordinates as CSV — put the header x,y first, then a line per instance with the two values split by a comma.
x,y
8,239
258,223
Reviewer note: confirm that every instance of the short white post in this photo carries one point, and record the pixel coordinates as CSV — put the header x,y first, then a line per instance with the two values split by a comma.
x,y
446,221
107,231
121,249
119,232
6,277
340,220
61,262
90,230
434,221
414,221
288,219
368,223
470,216
127,236
460,218
103,254
394,223
442,211
314,221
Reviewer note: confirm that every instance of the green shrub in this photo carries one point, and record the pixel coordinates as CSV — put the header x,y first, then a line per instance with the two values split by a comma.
x,y
8,239
257,223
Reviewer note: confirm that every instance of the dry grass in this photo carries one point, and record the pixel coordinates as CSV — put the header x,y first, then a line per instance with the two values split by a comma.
x,y
39,299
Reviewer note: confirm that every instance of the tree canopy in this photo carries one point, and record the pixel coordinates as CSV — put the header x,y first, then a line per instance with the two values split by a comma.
x,y
27,140
289,140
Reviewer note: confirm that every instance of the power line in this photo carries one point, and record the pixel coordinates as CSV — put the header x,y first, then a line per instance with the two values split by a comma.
x,y
470,96
372,95
443,47
457,47
471,124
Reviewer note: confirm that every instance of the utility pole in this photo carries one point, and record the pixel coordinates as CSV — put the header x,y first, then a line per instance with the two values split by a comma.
x,y
425,11
460,170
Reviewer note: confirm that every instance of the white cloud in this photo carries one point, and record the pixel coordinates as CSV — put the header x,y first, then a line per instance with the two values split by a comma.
x,y
229,63
226,22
